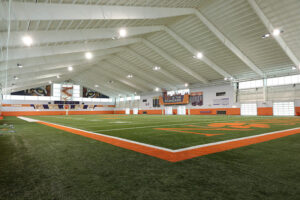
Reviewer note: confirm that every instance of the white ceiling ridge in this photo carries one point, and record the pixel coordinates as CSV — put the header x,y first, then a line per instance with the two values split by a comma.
x,y
86,75
136,72
53,36
100,72
135,77
32,52
52,78
122,79
270,28
232,47
156,81
152,64
53,11
55,60
194,52
102,87
174,61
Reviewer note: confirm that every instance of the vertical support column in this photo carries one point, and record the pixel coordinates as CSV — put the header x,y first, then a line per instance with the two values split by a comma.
x,y
235,91
265,96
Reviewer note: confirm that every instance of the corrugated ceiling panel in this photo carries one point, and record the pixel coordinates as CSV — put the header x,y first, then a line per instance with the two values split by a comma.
x,y
174,49
193,31
240,24
285,15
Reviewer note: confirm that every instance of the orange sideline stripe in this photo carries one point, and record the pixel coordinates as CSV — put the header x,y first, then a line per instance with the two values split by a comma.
x,y
178,155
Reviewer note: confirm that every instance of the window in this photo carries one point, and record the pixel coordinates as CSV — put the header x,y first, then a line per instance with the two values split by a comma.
x,y
249,109
76,91
135,111
251,84
168,111
286,80
56,90
182,92
181,110
220,94
283,109
127,111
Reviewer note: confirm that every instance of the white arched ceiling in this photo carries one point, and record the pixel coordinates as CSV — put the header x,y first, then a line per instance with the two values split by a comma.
x,y
166,34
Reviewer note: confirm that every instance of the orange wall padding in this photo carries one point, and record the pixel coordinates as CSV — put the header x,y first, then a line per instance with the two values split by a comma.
x,y
24,113
297,111
213,111
265,111
151,112
119,112
20,113
1,117
16,105
90,112
174,111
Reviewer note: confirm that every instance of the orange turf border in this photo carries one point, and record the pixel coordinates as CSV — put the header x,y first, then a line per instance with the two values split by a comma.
x,y
181,154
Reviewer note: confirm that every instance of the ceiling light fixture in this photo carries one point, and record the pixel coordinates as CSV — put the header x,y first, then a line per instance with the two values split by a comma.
x,y
16,78
276,32
27,40
266,35
70,68
129,76
57,76
157,89
88,55
186,84
156,68
294,68
225,78
50,82
199,55
122,32
19,65
96,85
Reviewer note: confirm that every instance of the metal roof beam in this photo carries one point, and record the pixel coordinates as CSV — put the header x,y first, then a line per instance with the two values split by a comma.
x,y
135,69
43,37
270,28
228,43
151,65
191,49
46,11
174,61
32,52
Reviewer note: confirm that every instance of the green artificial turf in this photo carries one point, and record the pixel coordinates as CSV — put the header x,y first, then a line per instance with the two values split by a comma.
x,y
40,162
141,128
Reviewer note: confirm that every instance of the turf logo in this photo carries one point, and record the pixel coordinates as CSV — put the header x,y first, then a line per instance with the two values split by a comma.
x,y
236,126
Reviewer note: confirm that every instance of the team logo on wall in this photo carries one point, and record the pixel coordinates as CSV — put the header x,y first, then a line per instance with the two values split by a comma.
x,y
66,93
39,91
89,93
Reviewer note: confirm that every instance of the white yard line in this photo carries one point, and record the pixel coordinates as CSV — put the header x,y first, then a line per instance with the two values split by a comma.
x,y
162,148
28,119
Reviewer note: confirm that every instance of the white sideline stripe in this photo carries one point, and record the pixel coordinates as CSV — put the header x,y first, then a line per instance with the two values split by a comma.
x,y
108,136
28,119
232,140
162,148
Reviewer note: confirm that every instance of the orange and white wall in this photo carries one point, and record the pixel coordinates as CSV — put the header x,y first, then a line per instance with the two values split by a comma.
x,y
264,108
